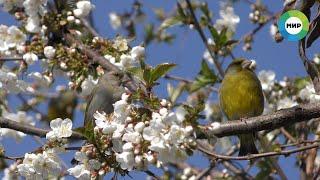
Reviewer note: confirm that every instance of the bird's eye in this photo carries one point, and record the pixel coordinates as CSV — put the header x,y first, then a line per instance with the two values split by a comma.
x,y
253,65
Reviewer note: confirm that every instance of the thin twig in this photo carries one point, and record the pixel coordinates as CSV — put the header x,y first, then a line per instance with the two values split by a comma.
x,y
228,164
300,142
204,39
288,135
87,24
176,78
205,172
10,158
256,156
92,54
152,174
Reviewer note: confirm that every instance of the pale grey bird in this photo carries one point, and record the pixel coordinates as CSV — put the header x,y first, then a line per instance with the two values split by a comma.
x,y
103,96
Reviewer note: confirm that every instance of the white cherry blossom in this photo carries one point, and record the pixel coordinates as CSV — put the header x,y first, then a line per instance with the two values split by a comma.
x,y
83,9
30,58
137,52
267,79
115,20
61,128
228,19
49,52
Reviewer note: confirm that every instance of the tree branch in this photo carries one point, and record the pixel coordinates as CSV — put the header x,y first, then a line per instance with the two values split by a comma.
x,y
92,54
275,120
309,66
31,130
11,59
97,58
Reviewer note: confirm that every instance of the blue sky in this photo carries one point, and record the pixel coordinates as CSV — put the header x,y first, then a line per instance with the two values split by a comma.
x,y
187,51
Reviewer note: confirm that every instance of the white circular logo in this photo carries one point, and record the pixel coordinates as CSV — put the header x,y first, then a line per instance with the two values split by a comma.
x,y
293,25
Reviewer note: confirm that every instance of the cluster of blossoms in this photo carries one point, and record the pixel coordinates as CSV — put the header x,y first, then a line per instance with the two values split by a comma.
x,y
9,5
83,9
284,94
11,38
257,14
228,20
87,164
34,9
9,82
135,143
126,60
275,92
40,166
46,164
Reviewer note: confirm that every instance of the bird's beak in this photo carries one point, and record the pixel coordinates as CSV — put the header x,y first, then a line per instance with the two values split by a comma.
x,y
249,64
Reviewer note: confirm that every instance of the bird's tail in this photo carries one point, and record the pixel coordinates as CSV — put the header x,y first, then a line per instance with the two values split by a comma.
x,y
247,145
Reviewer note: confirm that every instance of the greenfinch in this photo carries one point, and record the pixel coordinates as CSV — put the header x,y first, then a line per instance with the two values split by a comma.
x,y
62,106
103,96
240,97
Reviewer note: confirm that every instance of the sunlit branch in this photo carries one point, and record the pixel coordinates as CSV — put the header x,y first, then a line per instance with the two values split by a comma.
x,y
275,120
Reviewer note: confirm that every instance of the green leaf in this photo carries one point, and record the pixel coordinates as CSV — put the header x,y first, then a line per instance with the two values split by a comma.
x,y
206,71
180,11
265,169
231,42
205,77
175,92
149,35
137,72
147,75
223,38
171,21
214,33
205,9
301,82
160,70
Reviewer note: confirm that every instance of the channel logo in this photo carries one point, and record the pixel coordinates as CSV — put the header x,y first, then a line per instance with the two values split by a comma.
x,y
293,25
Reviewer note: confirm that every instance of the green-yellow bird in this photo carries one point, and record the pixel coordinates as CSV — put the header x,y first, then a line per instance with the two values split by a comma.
x,y
241,96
